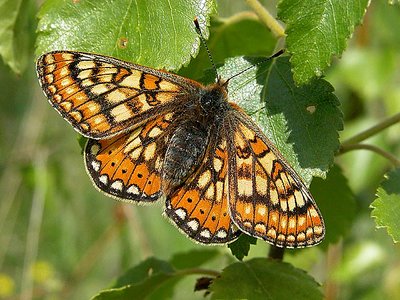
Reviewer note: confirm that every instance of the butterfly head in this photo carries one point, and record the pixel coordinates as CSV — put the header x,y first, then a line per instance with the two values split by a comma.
x,y
214,98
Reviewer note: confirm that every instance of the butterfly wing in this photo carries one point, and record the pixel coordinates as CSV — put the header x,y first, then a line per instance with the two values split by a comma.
x,y
267,199
128,166
102,96
200,206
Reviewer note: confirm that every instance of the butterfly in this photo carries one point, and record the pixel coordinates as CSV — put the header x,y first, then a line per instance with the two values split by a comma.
x,y
153,134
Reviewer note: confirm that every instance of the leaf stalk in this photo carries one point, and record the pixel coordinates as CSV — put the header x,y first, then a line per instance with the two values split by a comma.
x,y
372,131
267,18
346,148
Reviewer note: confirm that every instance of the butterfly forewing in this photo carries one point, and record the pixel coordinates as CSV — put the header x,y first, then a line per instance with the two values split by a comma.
x,y
200,207
101,96
267,198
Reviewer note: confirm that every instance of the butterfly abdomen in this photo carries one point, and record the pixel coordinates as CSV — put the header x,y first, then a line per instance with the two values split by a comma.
x,y
184,153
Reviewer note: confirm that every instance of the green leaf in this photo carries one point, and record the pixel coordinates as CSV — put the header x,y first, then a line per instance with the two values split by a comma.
x,y
336,202
145,269
241,247
17,24
140,281
155,278
185,260
316,30
303,122
155,33
386,207
235,36
193,258
261,278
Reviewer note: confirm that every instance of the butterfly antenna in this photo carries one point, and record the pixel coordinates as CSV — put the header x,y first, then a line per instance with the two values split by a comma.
x,y
203,41
259,63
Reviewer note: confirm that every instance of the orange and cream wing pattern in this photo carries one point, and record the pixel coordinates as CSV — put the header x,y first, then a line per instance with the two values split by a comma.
x,y
152,133
200,207
102,96
267,199
128,166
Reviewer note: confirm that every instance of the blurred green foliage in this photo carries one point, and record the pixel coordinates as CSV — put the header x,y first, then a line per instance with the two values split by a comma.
x,y
62,239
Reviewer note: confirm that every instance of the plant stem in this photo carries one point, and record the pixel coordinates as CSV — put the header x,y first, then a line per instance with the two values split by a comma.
x,y
276,253
333,259
266,17
346,148
372,131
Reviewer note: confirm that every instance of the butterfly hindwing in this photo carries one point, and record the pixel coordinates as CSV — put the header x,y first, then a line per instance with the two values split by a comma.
x,y
128,166
102,96
267,198
200,206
